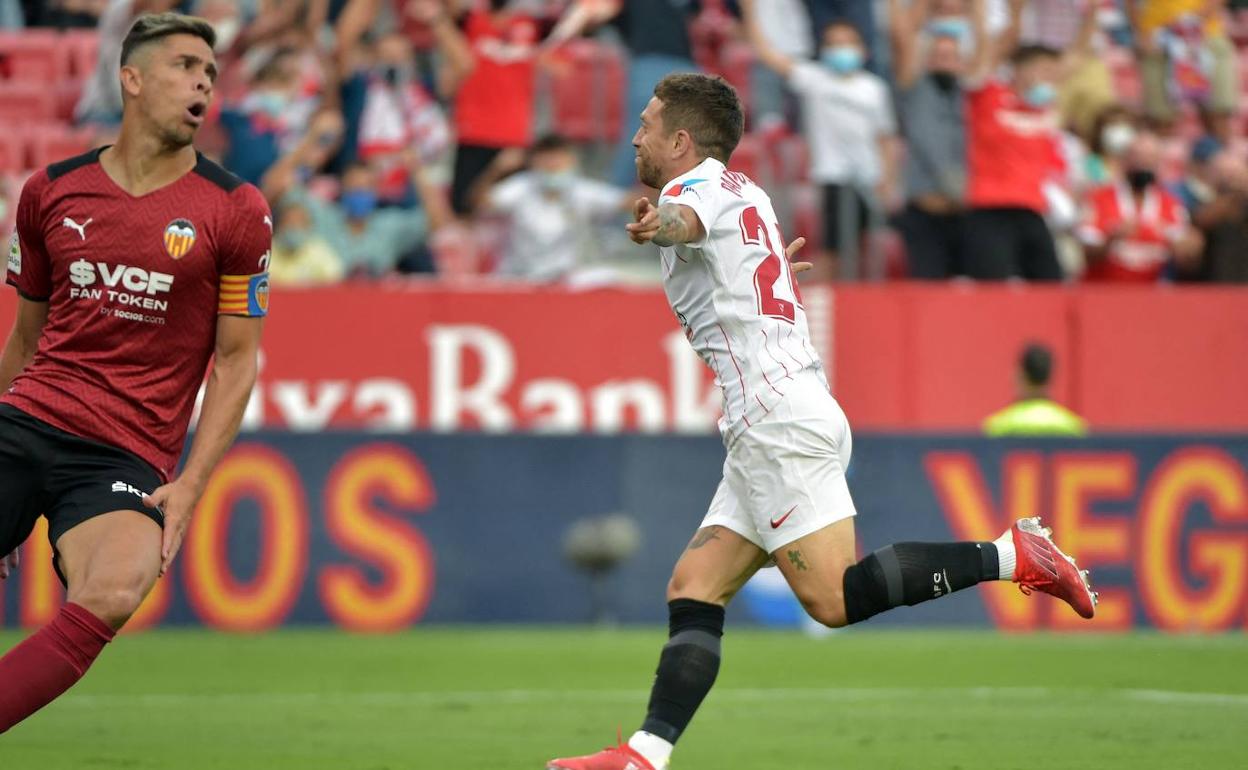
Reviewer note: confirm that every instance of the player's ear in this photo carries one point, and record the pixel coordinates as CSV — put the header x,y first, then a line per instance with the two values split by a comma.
x,y
131,79
682,142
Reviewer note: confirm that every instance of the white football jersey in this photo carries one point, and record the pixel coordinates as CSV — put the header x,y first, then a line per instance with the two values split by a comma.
x,y
734,294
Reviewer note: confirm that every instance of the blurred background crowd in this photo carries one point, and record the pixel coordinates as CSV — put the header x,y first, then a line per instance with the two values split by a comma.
x,y
1078,140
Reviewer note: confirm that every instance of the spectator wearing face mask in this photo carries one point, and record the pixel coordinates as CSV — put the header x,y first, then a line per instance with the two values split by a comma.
x,y
851,130
1111,134
375,241
1088,87
300,256
1134,228
931,103
260,125
1215,193
1014,150
550,210
398,113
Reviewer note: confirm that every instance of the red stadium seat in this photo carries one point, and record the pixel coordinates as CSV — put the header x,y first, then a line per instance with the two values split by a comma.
x,y
588,96
750,158
34,55
13,152
807,219
82,47
792,159
25,103
54,142
708,34
67,94
736,64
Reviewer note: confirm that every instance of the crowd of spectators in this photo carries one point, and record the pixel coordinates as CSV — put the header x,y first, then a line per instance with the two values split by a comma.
x,y
1096,140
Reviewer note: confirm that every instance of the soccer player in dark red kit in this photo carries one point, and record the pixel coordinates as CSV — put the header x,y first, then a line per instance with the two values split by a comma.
x,y
135,264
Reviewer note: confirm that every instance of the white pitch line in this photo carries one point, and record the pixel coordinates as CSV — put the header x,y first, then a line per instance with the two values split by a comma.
x,y
728,695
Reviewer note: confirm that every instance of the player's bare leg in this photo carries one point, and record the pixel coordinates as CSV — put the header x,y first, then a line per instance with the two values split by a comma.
x,y
714,566
836,589
110,562
815,566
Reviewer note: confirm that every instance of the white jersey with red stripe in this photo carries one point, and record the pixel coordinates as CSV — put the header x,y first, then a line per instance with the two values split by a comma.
x,y
735,296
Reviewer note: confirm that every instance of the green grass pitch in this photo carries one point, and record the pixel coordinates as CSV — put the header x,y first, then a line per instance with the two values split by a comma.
x,y
459,698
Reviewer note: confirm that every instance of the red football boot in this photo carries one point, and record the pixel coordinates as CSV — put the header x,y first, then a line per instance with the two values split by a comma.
x,y
620,757
1041,566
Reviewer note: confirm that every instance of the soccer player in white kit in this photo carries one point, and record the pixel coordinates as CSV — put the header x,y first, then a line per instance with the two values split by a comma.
x,y
783,498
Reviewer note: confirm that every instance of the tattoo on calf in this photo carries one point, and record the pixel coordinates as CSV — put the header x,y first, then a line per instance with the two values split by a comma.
x,y
795,558
703,537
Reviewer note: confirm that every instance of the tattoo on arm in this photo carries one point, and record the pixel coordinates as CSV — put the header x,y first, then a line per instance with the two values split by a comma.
x,y
795,558
672,229
703,537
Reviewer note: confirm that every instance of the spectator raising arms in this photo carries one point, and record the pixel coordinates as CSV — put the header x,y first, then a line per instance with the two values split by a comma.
x,y
656,34
398,113
1134,228
494,94
932,105
550,210
850,127
1013,143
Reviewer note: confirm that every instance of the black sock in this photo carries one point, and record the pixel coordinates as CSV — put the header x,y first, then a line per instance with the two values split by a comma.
x,y
910,573
687,667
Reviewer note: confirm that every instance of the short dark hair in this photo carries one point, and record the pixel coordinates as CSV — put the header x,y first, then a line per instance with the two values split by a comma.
x,y
707,107
845,23
154,26
1037,363
1026,54
550,143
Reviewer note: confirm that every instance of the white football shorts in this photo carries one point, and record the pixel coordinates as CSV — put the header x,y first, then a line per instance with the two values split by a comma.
x,y
784,476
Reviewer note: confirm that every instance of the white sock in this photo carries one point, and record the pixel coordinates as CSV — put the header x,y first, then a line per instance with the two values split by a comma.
x,y
657,751
1006,555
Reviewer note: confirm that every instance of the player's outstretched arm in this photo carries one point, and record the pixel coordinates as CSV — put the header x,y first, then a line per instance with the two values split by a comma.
x,y
23,340
229,388
665,225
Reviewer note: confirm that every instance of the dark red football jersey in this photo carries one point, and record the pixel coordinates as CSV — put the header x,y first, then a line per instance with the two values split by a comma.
x,y
134,286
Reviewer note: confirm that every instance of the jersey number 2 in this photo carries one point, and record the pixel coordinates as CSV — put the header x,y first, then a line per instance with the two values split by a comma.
x,y
773,281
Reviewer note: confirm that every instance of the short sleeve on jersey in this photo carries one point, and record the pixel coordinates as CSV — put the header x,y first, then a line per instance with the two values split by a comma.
x,y
244,257
27,266
699,191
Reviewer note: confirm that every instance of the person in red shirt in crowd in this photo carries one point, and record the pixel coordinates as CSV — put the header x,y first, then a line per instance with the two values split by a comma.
x,y
494,94
135,264
1134,228
489,72
1013,149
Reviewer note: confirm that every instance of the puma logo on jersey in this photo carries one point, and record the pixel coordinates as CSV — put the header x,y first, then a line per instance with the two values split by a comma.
x,y
81,228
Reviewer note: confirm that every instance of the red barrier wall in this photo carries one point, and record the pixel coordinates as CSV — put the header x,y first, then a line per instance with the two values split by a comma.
x,y
903,357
